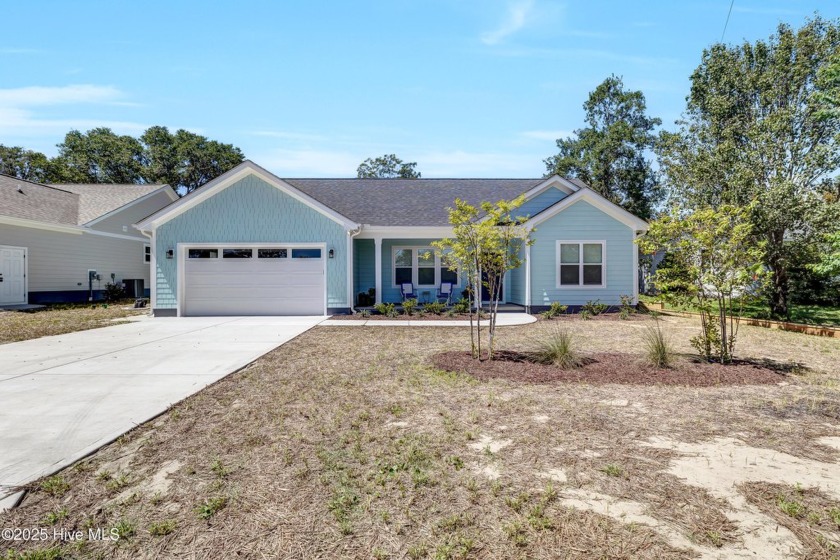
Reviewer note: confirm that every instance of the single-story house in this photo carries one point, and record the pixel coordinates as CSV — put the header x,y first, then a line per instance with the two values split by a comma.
x,y
251,243
64,243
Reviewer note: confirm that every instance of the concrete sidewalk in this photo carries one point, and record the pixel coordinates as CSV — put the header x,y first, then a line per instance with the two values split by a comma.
x,y
503,320
62,397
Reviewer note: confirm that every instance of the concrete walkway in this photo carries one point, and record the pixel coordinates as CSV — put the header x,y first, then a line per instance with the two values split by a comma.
x,y
503,320
62,397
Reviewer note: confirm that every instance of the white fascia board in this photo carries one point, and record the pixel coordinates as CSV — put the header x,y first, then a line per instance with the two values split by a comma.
x,y
35,224
166,188
224,181
613,210
554,181
405,232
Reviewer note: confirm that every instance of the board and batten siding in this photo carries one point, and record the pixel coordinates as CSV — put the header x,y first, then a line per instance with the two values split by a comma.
x,y
516,281
130,214
582,222
364,273
250,211
59,261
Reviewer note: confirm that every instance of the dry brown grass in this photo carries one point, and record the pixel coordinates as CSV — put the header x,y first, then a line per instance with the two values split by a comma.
x,y
24,325
811,515
346,443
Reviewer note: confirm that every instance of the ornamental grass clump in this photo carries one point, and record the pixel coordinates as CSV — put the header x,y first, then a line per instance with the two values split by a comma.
x,y
657,346
558,349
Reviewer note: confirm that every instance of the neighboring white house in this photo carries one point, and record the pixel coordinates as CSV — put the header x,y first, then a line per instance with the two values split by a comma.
x,y
64,243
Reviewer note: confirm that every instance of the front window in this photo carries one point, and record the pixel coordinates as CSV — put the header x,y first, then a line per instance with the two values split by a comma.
x,y
421,266
581,263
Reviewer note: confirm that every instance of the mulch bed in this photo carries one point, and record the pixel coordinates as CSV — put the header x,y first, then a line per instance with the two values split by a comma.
x,y
600,369
404,317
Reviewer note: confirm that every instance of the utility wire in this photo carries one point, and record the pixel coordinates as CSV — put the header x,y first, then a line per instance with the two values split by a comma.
x,y
725,25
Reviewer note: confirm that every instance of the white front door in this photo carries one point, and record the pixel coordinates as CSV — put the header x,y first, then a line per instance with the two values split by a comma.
x,y
12,275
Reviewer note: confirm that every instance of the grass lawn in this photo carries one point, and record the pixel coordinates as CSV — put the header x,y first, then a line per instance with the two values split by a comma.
x,y
59,319
346,443
806,314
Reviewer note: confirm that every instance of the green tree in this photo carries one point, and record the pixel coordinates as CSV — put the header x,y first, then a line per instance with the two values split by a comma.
x,y
486,244
24,164
185,160
98,156
829,263
388,166
609,154
757,128
715,263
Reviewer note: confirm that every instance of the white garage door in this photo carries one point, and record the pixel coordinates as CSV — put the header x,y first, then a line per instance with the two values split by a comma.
x,y
243,280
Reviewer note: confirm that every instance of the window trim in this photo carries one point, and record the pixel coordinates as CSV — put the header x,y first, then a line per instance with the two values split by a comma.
x,y
415,259
147,253
580,285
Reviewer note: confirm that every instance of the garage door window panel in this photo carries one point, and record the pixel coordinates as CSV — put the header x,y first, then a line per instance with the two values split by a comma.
x,y
306,253
237,253
272,253
203,253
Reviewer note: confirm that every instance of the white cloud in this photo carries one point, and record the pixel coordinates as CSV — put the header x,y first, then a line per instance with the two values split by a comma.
x,y
22,114
63,95
516,18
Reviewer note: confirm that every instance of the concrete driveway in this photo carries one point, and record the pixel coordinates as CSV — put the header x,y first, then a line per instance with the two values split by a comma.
x,y
62,397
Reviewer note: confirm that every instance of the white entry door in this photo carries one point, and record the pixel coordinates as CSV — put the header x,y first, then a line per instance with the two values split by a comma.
x,y
279,279
12,275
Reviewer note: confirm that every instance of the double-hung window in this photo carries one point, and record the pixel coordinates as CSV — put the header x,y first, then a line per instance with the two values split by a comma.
x,y
581,263
421,266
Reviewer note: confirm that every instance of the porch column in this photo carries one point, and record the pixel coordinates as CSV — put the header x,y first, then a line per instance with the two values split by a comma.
x,y
527,278
377,259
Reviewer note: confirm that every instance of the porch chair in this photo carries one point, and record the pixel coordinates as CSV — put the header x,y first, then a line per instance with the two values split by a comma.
x,y
444,292
407,291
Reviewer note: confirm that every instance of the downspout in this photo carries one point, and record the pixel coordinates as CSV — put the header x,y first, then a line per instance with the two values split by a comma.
x,y
351,273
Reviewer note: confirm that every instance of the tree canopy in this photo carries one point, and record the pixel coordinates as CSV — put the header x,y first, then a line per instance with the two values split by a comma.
x,y
388,166
610,154
183,160
758,128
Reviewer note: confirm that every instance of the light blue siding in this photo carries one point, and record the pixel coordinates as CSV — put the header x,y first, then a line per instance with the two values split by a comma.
x,y
364,274
251,211
535,205
516,282
582,222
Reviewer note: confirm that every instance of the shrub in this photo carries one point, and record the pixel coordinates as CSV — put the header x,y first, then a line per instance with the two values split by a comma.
x,y
585,315
365,313
461,306
388,309
626,308
434,307
113,292
657,346
409,306
595,307
554,310
559,350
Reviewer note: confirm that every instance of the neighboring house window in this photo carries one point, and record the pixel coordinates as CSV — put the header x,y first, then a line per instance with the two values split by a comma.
x,y
420,266
147,254
581,263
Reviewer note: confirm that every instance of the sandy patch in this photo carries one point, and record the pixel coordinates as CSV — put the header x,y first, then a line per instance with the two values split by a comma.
x,y
487,442
557,475
160,482
615,402
397,424
540,418
721,464
490,472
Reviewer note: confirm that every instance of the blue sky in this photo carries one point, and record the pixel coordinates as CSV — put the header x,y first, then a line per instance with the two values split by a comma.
x,y
466,88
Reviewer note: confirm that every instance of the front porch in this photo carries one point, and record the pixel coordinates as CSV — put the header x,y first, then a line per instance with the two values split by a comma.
x,y
381,264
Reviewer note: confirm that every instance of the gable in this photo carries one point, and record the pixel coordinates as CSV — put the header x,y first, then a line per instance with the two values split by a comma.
x,y
540,202
604,206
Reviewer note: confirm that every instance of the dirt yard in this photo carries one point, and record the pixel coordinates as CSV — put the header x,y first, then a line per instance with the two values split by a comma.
x,y
347,442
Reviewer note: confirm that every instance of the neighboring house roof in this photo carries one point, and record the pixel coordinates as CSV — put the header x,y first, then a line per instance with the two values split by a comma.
x,y
99,199
65,204
407,202
34,201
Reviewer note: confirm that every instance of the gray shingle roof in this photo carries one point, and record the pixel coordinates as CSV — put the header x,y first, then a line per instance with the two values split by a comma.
x,y
407,202
33,201
99,199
